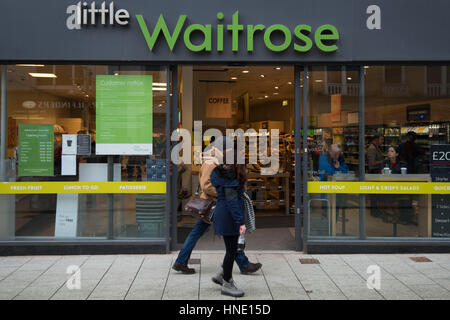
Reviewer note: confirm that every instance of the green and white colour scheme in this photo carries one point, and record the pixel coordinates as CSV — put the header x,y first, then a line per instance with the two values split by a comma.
x,y
36,150
124,121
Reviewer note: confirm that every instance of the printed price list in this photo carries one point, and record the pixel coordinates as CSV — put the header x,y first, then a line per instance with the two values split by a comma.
x,y
36,150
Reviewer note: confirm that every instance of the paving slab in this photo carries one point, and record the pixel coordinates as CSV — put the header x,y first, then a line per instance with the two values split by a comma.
x,y
281,279
142,277
430,291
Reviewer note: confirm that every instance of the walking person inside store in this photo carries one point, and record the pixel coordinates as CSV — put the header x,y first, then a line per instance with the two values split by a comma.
x,y
375,162
375,157
410,152
229,220
210,161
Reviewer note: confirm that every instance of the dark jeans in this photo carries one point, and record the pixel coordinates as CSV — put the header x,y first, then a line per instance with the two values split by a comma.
x,y
190,242
230,254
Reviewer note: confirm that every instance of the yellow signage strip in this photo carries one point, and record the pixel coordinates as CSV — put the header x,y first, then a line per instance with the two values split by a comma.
x,y
81,187
379,187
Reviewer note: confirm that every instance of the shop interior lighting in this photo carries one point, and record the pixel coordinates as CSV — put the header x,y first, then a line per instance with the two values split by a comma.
x,y
277,68
245,71
159,86
233,78
276,88
30,65
262,76
42,75
349,78
319,80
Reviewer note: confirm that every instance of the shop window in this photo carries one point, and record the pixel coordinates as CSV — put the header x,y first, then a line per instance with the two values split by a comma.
x,y
401,130
333,152
94,123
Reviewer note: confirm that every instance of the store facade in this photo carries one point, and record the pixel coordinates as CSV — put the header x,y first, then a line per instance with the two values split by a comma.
x,y
93,91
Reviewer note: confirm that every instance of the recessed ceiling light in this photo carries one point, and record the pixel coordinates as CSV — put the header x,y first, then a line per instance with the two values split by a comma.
x,y
160,84
366,67
245,71
276,88
349,78
262,76
275,93
30,65
277,68
318,80
42,75
266,96
233,78
289,82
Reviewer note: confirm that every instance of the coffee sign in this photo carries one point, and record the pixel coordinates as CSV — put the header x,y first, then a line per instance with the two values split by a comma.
x,y
218,100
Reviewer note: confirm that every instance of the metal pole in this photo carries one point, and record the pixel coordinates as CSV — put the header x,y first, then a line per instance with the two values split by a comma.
x,y
110,177
305,158
168,179
3,127
174,193
362,154
298,169
110,199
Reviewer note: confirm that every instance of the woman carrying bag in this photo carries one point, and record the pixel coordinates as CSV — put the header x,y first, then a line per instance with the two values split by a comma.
x,y
229,222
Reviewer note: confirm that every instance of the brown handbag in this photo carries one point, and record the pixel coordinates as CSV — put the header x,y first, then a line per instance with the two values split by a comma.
x,y
200,208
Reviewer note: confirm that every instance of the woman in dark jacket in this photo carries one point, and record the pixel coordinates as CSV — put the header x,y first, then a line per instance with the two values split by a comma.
x,y
229,181
391,202
394,162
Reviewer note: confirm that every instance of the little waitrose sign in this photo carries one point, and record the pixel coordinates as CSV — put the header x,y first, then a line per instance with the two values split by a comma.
x,y
301,38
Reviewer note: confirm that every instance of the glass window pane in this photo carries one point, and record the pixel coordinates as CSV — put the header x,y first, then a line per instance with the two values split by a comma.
x,y
333,148
405,119
63,100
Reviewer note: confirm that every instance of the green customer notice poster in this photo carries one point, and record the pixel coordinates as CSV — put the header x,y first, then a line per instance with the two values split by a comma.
x,y
36,150
124,120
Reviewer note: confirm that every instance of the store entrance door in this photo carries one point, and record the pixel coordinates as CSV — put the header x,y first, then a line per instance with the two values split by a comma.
x,y
261,104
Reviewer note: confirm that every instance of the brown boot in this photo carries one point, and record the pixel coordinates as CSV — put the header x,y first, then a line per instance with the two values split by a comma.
x,y
252,267
183,269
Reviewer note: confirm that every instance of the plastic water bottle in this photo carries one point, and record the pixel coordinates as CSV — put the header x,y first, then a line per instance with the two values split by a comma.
x,y
241,244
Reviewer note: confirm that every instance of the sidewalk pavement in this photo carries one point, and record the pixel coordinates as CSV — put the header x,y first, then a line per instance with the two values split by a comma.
x,y
282,277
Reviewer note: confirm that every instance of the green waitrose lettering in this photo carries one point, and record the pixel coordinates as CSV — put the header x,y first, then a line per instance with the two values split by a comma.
x,y
325,36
